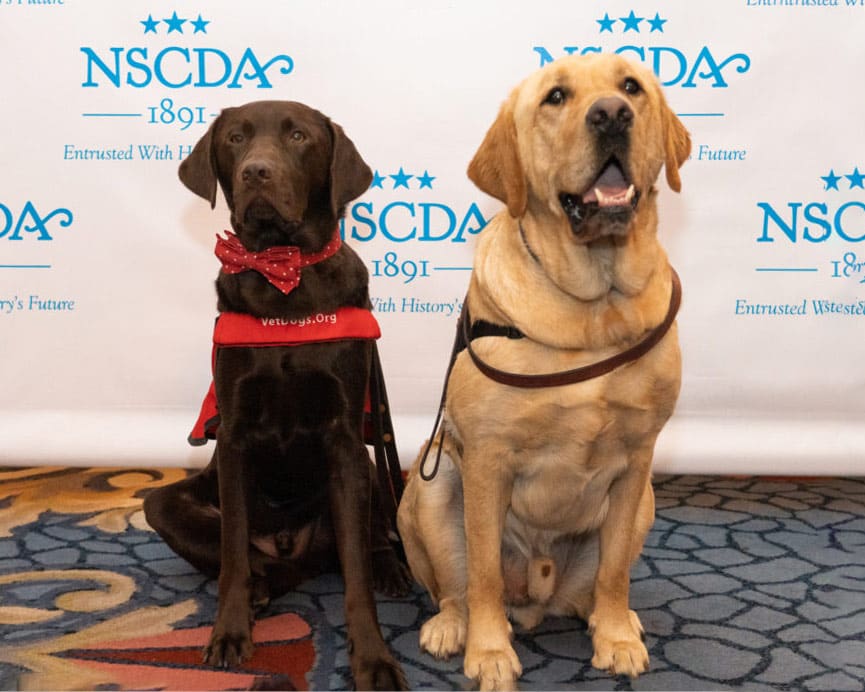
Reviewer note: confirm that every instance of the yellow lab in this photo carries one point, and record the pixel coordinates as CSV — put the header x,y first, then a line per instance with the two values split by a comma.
x,y
542,497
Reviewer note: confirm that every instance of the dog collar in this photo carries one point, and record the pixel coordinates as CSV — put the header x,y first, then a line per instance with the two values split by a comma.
x,y
280,265
587,372
468,330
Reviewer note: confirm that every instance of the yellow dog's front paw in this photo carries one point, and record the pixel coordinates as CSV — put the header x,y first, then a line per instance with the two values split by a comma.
x,y
619,649
444,634
494,669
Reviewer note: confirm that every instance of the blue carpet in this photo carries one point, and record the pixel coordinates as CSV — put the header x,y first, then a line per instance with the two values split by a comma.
x,y
751,584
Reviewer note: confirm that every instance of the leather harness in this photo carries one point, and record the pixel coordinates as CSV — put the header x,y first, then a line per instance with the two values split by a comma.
x,y
481,328
467,331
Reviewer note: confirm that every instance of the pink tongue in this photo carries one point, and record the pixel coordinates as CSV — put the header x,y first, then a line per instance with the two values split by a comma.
x,y
612,185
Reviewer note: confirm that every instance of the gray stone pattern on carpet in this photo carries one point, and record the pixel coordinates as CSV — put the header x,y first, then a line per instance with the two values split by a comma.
x,y
744,584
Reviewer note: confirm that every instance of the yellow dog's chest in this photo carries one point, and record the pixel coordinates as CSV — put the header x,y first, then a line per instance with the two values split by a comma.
x,y
562,485
562,446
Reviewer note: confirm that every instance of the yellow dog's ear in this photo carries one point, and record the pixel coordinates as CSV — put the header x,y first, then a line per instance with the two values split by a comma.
x,y
677,147
496,167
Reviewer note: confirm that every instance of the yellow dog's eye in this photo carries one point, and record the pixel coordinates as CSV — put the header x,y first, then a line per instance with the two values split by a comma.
x,y
556,97
631,86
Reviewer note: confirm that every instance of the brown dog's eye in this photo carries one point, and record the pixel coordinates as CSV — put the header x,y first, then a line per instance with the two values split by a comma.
x,y
632,86
235,138
298,136
556,97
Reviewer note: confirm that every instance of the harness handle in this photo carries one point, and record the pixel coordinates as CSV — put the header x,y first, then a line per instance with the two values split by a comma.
x,y
459,345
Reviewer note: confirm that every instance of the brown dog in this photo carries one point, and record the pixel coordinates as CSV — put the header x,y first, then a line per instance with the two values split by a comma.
x,y
543,499
289,492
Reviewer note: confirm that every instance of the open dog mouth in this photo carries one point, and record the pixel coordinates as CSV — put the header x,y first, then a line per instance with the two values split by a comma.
x,y
611,194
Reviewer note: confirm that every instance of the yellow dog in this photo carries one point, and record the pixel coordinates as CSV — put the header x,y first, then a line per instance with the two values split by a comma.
x,y
543,499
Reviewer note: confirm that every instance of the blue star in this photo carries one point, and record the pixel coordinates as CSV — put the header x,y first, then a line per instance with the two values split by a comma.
x,y
401,179
831,180
657,23
632,22
200,25
856,179
377,181
606,23
150,24
426,180
175,23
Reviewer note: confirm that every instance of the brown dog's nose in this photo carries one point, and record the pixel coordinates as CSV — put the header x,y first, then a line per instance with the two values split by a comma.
x,y
257,172
610,115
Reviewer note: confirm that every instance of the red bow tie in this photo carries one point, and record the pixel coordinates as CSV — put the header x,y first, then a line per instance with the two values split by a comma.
x,y
279,265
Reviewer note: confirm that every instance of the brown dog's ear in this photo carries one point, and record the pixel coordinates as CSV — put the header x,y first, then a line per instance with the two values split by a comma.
x,y
198,170
496,167
350,177
677,147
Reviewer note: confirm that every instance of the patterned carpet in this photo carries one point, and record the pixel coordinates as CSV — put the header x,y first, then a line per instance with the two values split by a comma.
x,y
749,584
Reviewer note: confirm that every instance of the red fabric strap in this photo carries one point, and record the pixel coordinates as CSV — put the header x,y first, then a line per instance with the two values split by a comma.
x,y
234,329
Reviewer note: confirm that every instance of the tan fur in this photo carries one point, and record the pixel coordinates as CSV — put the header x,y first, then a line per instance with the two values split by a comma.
x,y
543,499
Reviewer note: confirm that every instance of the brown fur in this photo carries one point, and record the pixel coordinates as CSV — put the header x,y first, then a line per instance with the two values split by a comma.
x,y
543,499
290,491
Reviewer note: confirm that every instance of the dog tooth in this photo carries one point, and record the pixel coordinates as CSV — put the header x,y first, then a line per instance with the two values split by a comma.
x,y
630,194
601,197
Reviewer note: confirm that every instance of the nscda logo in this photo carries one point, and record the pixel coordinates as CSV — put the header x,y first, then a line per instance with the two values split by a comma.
x,y
405,219
816,221
179,66
631,35
29,222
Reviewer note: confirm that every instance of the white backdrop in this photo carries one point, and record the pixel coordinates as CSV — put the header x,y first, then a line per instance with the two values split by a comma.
x,y
106,294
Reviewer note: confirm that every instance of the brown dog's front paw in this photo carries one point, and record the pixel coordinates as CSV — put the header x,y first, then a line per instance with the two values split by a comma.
x,y
619,649
227,649
380,674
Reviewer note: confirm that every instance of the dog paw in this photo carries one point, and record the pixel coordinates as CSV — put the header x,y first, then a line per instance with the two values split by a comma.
x,y
227,649
379,674
494,669
390,576
444,634
619,649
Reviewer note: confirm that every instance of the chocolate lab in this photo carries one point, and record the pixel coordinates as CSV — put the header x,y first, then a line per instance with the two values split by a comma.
x,y
290,491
